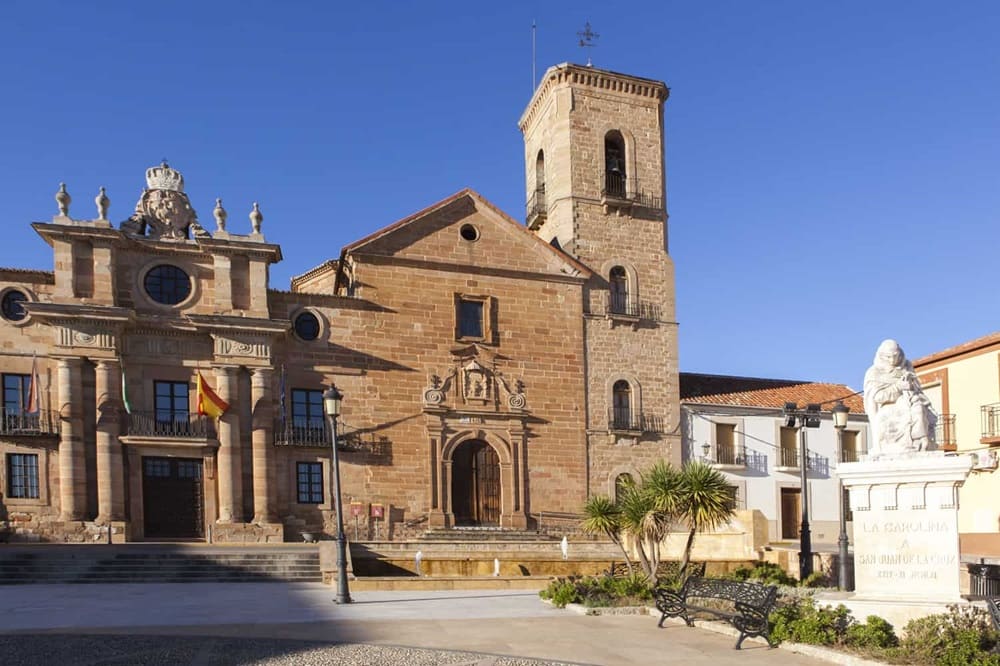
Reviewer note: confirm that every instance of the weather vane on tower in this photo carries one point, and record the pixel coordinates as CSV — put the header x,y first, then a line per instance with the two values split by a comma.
x,y
587,37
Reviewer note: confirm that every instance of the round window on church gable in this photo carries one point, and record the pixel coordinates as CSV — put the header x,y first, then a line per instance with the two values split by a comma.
x,y
307,326
166,284
469,232
12,305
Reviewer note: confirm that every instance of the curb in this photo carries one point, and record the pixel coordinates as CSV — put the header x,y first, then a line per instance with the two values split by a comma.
x,y
815,651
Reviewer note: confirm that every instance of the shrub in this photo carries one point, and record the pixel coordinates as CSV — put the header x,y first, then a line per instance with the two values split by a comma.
x,y
765,572
874,634
805,622
816,579
597,591
560,592
962,636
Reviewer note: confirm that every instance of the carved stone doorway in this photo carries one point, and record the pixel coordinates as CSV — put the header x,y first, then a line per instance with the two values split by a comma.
x,y
475,489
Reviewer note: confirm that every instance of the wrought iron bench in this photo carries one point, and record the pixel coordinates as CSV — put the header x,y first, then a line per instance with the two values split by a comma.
x,y
751,604
993,606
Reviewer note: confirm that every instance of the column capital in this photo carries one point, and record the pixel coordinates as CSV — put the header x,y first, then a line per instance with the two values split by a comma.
x,y
108,362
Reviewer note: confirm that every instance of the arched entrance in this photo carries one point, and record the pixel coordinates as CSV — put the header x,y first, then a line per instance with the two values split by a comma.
x,y
475,486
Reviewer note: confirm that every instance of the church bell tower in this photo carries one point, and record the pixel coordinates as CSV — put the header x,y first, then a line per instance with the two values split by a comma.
x,y
594,160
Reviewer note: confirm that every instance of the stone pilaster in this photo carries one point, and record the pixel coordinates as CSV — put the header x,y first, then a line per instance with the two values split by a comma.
x,y
72,466
263,487
110,482
229,464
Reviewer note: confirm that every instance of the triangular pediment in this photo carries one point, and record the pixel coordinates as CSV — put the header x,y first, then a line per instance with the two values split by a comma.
x,y
466,230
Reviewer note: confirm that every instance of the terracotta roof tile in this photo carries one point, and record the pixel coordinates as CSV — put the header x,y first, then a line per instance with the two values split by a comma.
x,y
958,350
759,392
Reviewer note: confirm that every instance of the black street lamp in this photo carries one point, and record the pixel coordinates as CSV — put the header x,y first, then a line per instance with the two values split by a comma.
x,y
840,412
331,407
804,418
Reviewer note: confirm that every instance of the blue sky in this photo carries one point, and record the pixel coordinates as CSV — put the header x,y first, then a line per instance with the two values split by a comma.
x,y
833,168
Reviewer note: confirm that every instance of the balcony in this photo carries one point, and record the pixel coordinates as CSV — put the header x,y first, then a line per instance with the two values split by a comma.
x,y
169,425
537,212
40,424
849,455
788,459
301,433
620,306
616,195
730,456
944,432
991,423
625,419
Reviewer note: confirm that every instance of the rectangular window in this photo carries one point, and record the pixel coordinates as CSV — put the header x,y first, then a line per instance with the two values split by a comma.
x,y
470,319
15,393
849,452
309,481
846,500
734,497
307,409
172,410
22,475
725,443
789,447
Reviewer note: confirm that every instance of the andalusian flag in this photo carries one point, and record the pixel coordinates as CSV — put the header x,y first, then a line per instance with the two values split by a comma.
x,y
209,403
34,390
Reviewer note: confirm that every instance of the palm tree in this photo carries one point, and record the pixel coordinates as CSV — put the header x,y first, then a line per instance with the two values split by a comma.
x,y
705,503
603,516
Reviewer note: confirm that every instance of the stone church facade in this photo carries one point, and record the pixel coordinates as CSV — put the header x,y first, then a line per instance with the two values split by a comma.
x,y
494,373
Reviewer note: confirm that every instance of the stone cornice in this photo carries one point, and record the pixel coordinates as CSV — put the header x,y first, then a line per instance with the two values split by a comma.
x,y
50,232
240,245
225,323
51,312
593,79
469,268
326,266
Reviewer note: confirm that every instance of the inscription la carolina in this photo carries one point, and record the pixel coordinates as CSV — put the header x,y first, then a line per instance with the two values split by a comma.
x,y
907,527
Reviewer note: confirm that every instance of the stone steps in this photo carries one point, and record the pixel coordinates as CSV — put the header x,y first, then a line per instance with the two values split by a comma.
x,y
167,564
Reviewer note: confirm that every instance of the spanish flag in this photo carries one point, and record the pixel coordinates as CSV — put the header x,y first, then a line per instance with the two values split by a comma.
x,y
209,403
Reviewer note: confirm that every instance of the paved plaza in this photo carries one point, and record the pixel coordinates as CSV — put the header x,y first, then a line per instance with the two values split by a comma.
x,y
289,623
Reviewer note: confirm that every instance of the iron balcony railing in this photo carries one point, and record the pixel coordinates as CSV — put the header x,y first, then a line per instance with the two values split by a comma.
x,y
628,419
731,455
536,208
614,186
789,457
849,455
647,200
294,432
620,304
17,423
991,420
944,432
167,424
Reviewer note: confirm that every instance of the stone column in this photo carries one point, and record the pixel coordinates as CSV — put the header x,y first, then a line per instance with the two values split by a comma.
x,y
263,501
110,484
72,466
229,468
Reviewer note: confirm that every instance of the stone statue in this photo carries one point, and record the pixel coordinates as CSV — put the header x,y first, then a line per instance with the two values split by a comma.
x,y
901,417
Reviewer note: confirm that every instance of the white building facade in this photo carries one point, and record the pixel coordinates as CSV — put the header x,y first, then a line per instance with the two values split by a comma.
x,y
738,425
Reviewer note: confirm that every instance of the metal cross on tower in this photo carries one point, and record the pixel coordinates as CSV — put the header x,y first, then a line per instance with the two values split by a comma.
x,y
587,37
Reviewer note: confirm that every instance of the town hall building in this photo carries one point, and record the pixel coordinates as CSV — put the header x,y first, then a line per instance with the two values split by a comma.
x,y
494,371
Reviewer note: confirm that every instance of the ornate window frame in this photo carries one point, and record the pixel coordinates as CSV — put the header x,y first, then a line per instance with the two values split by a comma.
x,y
139,287
30,297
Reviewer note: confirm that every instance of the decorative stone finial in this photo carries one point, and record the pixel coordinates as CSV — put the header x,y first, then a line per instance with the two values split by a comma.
x,y
164,178
256,217
103,203
63,199
220,215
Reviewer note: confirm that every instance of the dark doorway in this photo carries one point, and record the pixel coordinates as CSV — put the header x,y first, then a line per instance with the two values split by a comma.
x,y
475,486
790,513
172,498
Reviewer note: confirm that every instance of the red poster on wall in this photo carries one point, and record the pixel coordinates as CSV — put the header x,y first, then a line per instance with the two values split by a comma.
x,y
357,509
377,511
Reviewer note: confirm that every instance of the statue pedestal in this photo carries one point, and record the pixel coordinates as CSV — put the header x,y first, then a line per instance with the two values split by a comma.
x,y
906,526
